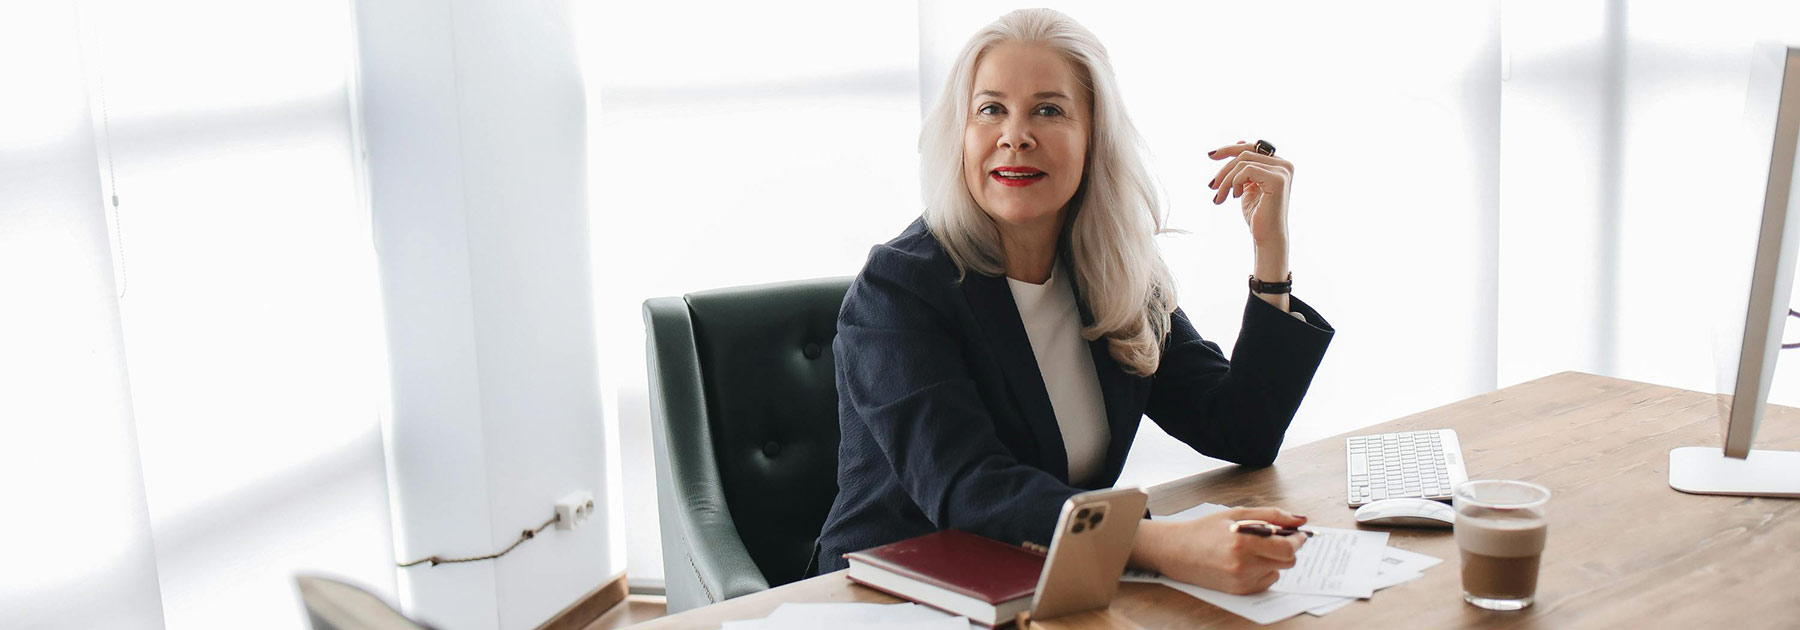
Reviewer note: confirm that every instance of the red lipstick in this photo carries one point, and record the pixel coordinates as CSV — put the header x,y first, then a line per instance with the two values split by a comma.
x,y
1016,176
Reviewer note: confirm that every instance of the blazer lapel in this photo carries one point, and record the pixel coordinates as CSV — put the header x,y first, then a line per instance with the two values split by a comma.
x,y
992,302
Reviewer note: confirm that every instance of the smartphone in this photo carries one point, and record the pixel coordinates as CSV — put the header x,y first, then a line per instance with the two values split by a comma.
x,y
1087,555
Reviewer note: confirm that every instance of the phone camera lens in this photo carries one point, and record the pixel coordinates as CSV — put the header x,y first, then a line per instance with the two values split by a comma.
x,y
1079,527
1095,522
1082,514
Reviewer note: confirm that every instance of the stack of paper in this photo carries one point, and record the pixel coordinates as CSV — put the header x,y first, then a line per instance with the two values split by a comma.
x,y
905,616
1334,568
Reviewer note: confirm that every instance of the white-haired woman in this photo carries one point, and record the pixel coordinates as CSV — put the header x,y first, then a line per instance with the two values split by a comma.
x,y
997,356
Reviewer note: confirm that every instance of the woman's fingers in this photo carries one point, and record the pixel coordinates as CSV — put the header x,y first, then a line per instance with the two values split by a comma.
x,y
1278,550
1232,177
1244,173
1250,156
1253,582
1228,185
1230,150
1252,173
1229,180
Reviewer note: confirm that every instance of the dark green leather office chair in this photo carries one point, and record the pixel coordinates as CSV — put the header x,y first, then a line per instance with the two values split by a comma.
x,y
743,407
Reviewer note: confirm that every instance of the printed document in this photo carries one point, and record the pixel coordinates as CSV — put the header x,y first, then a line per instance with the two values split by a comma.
x,y
1341,562
1333,569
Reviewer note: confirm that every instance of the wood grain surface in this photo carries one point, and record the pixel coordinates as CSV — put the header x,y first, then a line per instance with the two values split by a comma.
x,y
1624,549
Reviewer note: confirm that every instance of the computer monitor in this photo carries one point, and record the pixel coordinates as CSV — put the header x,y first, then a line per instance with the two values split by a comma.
x,y
1737,469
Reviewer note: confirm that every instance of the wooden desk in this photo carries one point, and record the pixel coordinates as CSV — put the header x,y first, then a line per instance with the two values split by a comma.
x,y
1624,550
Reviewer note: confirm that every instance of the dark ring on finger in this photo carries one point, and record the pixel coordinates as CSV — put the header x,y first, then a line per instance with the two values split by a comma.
x,y
1263,147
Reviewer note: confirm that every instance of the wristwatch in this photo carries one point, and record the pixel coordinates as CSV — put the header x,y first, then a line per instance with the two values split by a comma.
x,y
1285,286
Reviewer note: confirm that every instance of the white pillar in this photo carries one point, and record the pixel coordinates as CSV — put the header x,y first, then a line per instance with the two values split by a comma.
x,y
474,124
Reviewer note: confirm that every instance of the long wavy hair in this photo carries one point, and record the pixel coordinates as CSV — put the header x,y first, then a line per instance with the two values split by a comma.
x,y
1110,224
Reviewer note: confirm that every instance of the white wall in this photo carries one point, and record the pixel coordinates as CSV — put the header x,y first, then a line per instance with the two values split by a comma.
x,y
80,553
474,119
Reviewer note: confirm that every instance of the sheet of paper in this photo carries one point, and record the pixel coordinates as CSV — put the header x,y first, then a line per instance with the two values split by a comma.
x,y
1341,562
1264,608
853,616
1367,563
1395,578
1397,559
1382,581
1398,566
855,613
1318,611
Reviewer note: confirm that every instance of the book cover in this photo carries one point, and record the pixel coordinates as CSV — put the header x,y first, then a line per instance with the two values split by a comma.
x,y
960,562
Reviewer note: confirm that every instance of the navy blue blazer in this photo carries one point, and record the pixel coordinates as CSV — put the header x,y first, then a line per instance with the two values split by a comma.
x,y
946,423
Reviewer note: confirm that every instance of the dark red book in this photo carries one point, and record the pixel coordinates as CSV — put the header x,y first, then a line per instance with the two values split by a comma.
x,y
960,573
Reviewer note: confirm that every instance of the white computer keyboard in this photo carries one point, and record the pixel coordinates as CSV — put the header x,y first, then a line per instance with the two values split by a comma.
x,y
1417,464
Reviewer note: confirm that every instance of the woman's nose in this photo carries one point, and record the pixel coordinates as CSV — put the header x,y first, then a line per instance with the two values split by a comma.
x,y
1016,137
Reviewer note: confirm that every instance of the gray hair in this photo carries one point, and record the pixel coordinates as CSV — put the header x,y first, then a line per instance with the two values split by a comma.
x,y
1114,216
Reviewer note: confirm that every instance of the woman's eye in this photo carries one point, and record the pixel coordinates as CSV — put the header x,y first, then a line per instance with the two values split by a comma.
x,y
1049,110
989,109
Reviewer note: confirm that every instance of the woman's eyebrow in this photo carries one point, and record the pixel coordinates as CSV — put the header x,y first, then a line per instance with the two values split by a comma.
x,y
1039,95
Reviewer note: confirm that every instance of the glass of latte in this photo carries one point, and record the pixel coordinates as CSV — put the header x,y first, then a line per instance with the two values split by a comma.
x,y
1500,527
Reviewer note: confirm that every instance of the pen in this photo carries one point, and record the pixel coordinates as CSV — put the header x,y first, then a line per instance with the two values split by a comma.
x,y
1264,529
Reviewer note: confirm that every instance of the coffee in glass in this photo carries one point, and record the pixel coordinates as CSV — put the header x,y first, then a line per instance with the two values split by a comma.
x,y
1500,530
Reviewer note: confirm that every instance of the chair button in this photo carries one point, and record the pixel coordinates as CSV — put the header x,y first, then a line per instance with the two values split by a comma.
x,y
771,449
811,350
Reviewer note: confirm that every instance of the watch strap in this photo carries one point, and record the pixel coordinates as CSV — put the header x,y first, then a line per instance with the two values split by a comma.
x,y
1268,288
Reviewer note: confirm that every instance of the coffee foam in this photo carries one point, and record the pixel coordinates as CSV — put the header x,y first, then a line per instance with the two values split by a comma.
x,y
1500,537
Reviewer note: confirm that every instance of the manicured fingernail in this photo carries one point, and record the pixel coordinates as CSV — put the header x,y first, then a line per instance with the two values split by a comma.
x,y
1299,516
1212,151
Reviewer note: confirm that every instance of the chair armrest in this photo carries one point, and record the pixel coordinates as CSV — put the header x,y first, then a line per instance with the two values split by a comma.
x,y
691,500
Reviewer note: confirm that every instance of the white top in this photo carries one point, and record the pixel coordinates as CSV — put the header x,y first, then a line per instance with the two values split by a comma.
x,y
1067,365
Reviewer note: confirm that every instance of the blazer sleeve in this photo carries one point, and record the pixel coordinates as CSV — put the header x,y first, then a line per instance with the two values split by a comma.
x,y
902,371
1238,409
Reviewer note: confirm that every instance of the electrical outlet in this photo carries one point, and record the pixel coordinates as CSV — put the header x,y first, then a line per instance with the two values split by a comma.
x,y
574,509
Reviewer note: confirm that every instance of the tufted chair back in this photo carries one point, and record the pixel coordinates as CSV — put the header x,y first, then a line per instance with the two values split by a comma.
x,y
744,416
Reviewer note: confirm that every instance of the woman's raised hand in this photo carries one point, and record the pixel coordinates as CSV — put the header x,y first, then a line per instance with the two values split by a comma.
x,y
1205,552
1262,181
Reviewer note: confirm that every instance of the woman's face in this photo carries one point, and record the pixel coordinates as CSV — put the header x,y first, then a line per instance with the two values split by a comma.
x,y
1025,142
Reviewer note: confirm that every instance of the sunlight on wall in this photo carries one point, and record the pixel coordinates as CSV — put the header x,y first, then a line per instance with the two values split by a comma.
x,y
249,299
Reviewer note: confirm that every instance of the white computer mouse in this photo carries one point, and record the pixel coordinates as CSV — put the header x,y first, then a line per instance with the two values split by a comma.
x,y
1406,513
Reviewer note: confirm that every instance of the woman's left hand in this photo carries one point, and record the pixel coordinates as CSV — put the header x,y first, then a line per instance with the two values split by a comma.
x,y
1262,181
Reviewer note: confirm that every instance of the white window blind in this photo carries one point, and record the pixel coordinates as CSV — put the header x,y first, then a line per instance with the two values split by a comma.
x,y
250,315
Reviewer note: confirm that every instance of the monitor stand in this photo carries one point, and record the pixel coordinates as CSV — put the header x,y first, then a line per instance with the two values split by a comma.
x,y
1706,470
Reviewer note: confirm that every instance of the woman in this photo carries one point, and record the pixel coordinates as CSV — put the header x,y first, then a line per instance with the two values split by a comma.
x,y
996,357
